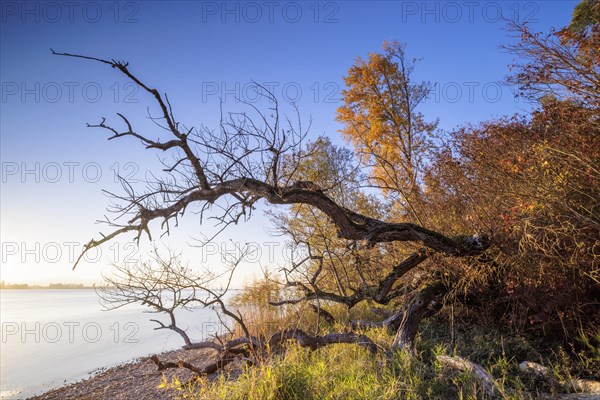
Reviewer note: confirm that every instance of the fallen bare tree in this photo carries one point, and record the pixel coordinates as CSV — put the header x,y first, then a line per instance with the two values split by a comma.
x,y
253,156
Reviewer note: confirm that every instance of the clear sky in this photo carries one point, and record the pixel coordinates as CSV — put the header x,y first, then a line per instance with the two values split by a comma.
x,y
53,167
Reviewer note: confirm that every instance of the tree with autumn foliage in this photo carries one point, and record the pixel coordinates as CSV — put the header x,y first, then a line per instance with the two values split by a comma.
x,y
534,181
535,184
379,117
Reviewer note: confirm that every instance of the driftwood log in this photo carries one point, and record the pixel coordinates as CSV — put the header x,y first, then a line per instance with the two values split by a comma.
x,y
464,365
585,386
590,389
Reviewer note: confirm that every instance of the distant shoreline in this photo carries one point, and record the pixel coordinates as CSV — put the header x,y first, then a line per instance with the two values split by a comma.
x,y
51,286
74,287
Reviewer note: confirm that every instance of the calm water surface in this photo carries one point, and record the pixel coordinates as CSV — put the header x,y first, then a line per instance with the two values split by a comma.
x,y
54,337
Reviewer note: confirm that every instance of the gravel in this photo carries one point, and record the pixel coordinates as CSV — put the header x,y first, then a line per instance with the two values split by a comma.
x,y
138,380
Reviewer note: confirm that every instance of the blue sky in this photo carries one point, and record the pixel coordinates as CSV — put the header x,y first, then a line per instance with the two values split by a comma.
x,y
199,52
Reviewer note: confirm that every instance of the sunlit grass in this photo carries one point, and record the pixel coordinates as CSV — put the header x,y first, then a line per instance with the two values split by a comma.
x,y
351,372
345,371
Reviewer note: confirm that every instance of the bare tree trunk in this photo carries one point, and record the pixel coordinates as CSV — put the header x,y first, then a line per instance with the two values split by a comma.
x,y
413,313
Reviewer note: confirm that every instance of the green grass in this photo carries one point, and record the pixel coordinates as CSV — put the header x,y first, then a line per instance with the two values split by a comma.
x,y
345,371
351,372
334,372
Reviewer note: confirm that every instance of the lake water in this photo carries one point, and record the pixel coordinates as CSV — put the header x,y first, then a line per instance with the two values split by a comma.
x,y
54,337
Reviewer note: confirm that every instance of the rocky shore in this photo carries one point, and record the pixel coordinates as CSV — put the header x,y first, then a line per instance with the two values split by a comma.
x,y
138,380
